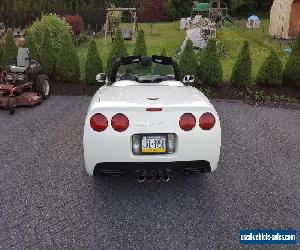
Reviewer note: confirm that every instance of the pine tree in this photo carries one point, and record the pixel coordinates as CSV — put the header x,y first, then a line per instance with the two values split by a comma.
x,y
118,50
188,63
292,68
93,64
140,48
67,61
210,68
10,50
271,71
241,74
48,57
160,69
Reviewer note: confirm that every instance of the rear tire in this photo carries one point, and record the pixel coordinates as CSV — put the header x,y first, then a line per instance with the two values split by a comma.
x,y
42,86
11,105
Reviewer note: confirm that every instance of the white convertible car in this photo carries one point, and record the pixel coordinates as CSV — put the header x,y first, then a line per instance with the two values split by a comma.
x,y
144,120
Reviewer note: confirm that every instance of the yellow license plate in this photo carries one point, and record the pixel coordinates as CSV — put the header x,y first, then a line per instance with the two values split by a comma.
x,y
154,144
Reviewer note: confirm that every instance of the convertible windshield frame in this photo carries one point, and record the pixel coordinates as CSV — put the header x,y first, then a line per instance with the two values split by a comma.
x,y
163,60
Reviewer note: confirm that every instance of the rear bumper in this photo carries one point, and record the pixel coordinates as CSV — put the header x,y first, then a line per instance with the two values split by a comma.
x,y
182,167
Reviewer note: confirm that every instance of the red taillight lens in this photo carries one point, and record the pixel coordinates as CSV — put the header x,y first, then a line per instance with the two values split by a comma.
x,y
207,121
187,122
120,122
98,122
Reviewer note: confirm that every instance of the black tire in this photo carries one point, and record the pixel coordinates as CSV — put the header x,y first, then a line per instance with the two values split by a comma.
x,y
11,105
42,86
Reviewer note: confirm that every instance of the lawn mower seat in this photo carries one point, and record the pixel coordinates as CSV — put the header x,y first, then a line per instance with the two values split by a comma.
x,y
23,61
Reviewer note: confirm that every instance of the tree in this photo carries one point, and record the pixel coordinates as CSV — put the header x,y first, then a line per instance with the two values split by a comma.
x,y
188,63
241,74
93,64
67,61
76,22
48,59
271,71
292,68
210,68
118,50
33,50
140,48
10,50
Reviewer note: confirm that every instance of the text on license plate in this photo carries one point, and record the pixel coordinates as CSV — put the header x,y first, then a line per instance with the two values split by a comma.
x,y
154,144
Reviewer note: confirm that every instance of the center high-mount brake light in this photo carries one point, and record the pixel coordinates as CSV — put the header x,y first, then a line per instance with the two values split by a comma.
x,y
187,122
207,121
120,122
154,109
98,122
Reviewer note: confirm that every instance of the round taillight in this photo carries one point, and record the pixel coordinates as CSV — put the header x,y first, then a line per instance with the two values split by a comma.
x,y
207,121
98,122
120,122
187,122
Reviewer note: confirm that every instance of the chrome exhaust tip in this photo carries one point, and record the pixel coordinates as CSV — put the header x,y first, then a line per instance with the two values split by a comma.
x,y
141,178
149,177
166,177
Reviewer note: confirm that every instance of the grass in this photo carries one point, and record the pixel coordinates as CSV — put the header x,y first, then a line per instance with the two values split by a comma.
x,y
168,36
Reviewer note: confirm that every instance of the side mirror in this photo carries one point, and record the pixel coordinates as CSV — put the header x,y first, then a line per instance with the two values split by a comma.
x,y
189,80
102,78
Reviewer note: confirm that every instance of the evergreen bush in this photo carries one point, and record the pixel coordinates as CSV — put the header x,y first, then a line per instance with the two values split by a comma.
x,y
241,74
47,54
118,50
67,60
10,51
140,48
188,63
271,71
210,68
93,64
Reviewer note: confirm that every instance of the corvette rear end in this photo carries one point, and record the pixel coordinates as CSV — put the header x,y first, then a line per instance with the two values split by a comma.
x,y
151,129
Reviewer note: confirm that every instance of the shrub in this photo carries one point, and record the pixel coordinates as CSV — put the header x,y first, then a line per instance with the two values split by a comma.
x,y
271,71
118,50
292,68
188,63
67,61
48,59
10,50
93,64
57,27
210,68
140,48
160,69
241,74
76,22
83,38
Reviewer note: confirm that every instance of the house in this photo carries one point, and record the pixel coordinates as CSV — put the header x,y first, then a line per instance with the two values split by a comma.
x,y
285,19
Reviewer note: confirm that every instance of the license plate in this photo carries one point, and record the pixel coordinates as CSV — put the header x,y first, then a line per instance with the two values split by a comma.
x,y
154,144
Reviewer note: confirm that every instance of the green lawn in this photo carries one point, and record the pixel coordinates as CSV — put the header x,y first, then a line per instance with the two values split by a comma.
x,y
168,36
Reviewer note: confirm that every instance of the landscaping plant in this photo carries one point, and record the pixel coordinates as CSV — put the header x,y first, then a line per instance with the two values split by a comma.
x,y
48,60
241,74
271,71
93,64
67,60
118,50
188,63
210,68
140,48
76,22
161,69
10,50
292,68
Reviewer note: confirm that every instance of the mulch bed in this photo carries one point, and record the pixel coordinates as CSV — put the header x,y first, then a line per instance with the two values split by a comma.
x,y
59,88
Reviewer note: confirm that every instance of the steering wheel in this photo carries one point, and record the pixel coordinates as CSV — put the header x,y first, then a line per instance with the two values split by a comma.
x,y
127,77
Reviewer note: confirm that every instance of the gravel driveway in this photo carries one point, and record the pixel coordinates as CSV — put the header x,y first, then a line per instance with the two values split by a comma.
x,y
47,200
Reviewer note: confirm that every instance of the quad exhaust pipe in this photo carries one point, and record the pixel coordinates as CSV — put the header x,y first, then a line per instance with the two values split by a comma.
x,y
153,176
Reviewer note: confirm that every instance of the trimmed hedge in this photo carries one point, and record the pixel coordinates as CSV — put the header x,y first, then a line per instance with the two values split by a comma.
x,y
210,69
10,50
271,71
292,68
93,64
48,58
67,60
241,74
188,63
140,48
118,49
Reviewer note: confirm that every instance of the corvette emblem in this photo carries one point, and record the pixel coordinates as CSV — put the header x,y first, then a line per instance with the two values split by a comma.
x,y
153,99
